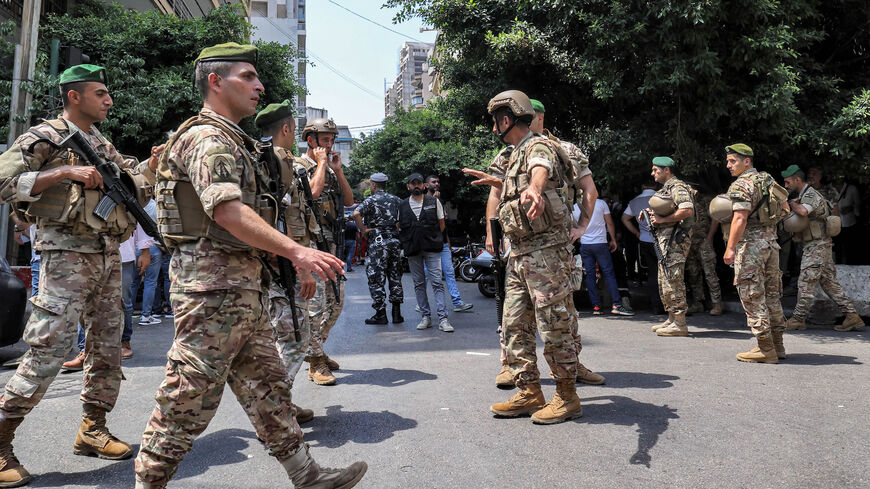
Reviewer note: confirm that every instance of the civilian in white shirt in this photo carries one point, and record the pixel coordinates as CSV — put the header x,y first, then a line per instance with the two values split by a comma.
x,y
646,248
596,244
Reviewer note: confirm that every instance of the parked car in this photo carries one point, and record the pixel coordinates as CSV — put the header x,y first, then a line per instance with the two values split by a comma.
x,y
12,305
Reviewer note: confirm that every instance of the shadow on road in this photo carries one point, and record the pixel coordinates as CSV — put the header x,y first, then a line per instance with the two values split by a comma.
x,y
819,359
338,427
651,420
728,335
384,377
113,474
641,380
219,448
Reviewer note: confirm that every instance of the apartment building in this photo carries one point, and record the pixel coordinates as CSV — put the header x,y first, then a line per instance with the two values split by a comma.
x,y
410,90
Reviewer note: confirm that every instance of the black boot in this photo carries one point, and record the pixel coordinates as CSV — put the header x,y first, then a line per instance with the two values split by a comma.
x,y
397,313
380,317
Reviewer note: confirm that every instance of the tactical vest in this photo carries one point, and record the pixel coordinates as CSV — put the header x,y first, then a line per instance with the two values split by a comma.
x,y
513,215
817,226
419,234
666,194
301,225
180,214
770,209
68,203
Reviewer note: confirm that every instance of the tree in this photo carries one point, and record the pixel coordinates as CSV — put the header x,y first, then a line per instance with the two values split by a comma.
x,y
633,79
428,141
149,65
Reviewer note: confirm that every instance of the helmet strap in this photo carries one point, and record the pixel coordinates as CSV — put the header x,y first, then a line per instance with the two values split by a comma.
x,y
504,133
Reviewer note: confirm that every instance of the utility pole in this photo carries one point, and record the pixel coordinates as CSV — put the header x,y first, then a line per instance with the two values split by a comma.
x,y
24,68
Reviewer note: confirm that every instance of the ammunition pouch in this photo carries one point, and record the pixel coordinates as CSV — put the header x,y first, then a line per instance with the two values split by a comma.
x,y
515,220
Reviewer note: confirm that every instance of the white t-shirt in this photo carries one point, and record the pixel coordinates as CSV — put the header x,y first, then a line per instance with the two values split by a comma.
x,y
634,208
596,230
417,207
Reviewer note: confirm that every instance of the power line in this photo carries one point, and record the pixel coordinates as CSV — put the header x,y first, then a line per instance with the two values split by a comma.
x,y
373,22
366,127
323,61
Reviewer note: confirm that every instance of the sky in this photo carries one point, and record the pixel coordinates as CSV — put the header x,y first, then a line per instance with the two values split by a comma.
x,y
361,51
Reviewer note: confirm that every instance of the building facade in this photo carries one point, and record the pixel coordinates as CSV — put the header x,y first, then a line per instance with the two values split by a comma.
x,y
410,90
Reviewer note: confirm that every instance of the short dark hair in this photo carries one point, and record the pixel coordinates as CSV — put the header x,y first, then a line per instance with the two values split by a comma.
x,y
273,128
800,174
431,177
505,111
204,68
64,90
376,185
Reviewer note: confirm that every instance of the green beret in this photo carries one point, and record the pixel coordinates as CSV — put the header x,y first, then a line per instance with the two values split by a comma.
x,y
273,113
740,149
80,73
537,105
791,170
229,51
663,161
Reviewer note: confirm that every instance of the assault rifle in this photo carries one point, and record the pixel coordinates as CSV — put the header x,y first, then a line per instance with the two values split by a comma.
x,y
286,275
116,191
319,239
498,262
661,256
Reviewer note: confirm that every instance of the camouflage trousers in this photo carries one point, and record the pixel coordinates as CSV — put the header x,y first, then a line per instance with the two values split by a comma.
x,y
759,284
292,353
384,263
700,267
673,291
575,331
72,285
323,310
817,268
538,297
221,337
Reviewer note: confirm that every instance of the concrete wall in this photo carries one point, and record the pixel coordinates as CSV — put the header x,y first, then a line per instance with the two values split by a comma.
x,y
856,282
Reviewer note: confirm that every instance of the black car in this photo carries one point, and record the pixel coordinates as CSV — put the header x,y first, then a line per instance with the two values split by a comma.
x,y
13,304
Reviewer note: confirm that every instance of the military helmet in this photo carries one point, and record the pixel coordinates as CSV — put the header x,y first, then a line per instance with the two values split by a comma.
x,y
515,100
319,125
795,223
720,208
663,206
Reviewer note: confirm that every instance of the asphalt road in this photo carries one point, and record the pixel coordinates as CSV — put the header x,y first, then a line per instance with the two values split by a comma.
x,y
675,412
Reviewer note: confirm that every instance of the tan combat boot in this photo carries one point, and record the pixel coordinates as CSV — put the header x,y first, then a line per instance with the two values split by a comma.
x,y
12,473
717,309
696,307
528,400
677,328
565,405
319,372
306,474
669,321
505,377
852,321
795,322
586,376
302,415
765,353
776,336
94,438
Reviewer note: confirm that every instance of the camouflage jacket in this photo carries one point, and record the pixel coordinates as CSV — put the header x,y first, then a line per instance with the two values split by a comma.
x,y
74,228
331,203
745,196
301,225
380,211
220,170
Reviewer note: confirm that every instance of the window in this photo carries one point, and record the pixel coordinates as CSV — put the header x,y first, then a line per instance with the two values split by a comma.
x,y
259,9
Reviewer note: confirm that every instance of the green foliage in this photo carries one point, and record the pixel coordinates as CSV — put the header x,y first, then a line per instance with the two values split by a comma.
x,y
631,80
428,141
7,55
149,65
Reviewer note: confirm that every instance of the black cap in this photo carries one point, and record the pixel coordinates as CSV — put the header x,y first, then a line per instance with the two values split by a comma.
x,y
415,176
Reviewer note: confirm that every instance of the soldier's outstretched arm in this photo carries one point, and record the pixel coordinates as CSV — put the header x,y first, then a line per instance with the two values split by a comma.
x,y
245,224
483,178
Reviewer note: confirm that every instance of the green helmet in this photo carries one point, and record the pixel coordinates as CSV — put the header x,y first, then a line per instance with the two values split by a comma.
x,y
721,209
516,100
663,206
318,126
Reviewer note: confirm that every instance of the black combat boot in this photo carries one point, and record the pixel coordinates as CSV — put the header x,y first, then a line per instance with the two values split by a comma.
x,y
397,313
380,317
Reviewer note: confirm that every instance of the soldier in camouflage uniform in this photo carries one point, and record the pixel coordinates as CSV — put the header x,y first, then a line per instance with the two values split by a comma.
x,y
583,175
377,217
81,267
817,262
276,121
753,250
211,191
673,233
538,289
330,188
701,262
